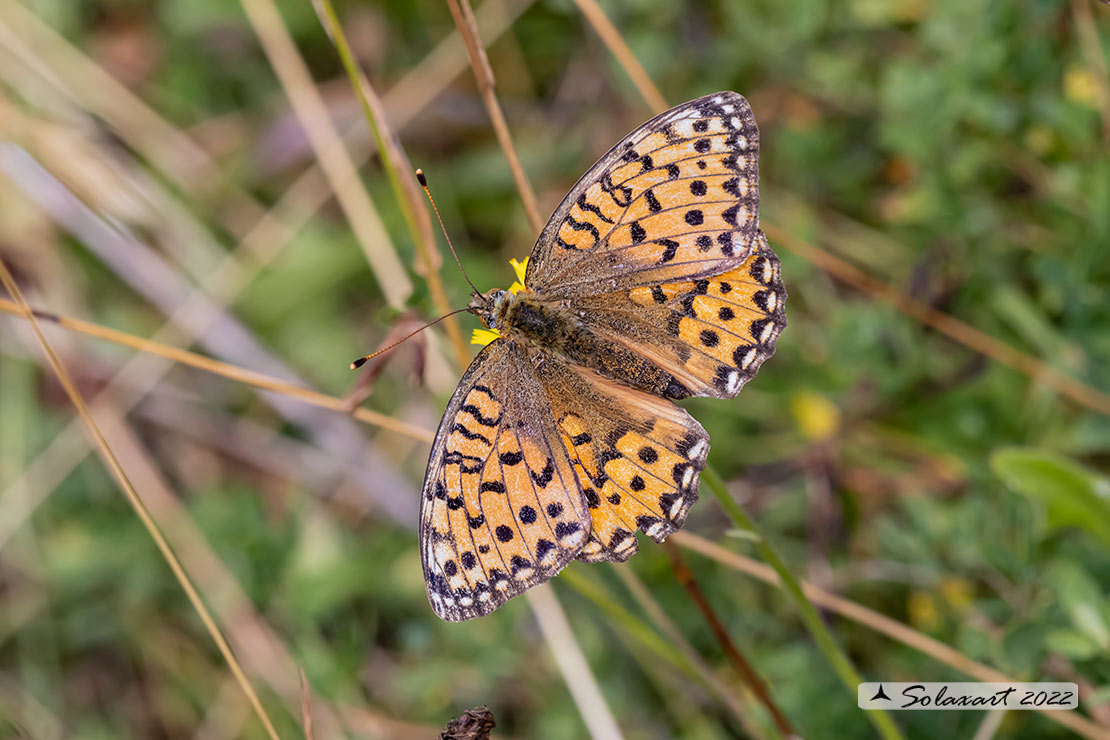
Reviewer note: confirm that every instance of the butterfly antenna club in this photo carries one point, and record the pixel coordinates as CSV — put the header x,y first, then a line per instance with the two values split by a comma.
x,y
423,180
363,360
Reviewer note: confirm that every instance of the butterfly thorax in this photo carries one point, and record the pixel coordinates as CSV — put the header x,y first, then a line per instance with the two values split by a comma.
x,y
547,327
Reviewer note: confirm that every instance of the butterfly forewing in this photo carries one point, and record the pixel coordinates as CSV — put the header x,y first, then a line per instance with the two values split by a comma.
x,y
677,198
501,509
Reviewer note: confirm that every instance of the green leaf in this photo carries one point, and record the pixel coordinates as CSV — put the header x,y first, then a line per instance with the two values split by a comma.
x,y
1072,495
1081,597
1070,644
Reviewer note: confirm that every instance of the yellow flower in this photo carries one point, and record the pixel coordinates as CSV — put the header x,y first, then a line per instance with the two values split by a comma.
x,y
482,337
519,268
1080,86
817,417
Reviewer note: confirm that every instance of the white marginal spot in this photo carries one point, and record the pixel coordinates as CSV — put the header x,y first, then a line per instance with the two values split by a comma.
x,y
698,450
737,243
772,301
501,585
728,108
733,384
736,124
484,596
677,507
448,601
718,99
466,601
687,477
748,359
768,333
577,537
442,553
524,574
655,530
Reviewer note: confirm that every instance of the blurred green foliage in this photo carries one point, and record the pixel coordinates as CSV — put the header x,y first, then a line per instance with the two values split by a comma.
x,y
953,150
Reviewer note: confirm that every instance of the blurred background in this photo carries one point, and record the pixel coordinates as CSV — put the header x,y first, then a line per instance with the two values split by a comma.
x,y
930,441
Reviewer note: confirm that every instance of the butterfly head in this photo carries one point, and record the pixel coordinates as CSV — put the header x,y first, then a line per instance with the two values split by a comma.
x,y
490,307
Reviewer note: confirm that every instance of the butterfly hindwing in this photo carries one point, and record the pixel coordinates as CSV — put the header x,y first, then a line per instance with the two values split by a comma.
x,y
501,509
710,334
677,198
637,457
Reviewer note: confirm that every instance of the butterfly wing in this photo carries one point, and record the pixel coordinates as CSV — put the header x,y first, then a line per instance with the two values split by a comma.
x,y
636,456
711,334
676,199
501,509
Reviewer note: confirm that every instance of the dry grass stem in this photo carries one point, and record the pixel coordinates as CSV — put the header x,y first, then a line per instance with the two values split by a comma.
x,y
576,671
260,649
224,369
613,40
306,707
91,88
400,171
202,319
880,623
136,502
651,607
366,223
954,328
1037,370
468,29
846,608
572,664
740,664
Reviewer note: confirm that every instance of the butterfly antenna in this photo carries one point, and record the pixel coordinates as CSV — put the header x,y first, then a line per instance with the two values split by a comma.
x,y
363,360
424,184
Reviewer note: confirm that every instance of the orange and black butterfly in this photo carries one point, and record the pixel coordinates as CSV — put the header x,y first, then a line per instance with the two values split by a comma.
x,y
651,282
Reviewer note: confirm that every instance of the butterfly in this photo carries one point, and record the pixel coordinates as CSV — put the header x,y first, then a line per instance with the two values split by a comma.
x,y
651,282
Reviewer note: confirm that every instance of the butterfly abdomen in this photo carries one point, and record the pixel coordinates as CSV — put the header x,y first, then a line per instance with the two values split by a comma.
x,y
557,331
